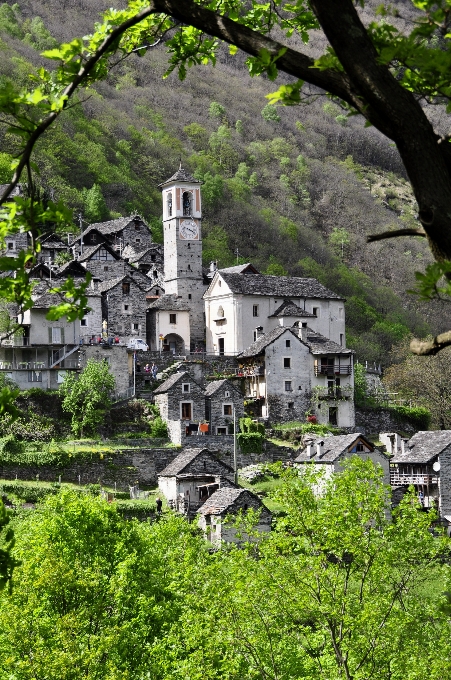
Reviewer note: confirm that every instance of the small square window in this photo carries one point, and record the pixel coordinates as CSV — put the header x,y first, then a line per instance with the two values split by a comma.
x,y
83,322
227,410
125,288
126,308
315,311
105,269
136,326
288,387
221,430
291,404
189,296
173,318
10,245
137,240
227,394
186,388
152,258
255,310
287,362
287,343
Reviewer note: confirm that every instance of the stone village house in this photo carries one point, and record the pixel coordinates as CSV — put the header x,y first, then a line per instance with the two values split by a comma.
x,y
330,452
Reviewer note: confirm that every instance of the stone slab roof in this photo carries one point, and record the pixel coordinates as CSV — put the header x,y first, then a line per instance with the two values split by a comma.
x,y
181,462
131,276
277,286
112,226
222,501
72,267
172,380
169,303
110,283
181,176
319,344
52,240
247,268
424,447
289,308
334,447
263,341
88,251
216,385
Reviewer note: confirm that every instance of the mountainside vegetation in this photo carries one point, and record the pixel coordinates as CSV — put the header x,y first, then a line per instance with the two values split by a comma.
x,y
294,190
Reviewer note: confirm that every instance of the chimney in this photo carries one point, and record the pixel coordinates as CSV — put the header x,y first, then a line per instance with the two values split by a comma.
x,y
403,445
259,332
303,331
213,266
310,451
319,448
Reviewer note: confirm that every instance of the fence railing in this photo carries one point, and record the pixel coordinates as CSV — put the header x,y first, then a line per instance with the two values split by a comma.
x,y
122,396
336,369
399,479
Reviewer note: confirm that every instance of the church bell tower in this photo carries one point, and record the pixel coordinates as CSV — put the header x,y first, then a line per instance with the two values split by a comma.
x,y
182,217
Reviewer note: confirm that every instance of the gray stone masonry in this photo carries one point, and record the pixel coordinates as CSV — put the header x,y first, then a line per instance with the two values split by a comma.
x,y
124,307
445,482
225,398
372,421
106,269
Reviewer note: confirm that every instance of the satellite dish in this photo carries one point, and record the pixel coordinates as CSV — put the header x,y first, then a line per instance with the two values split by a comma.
x,y
436,466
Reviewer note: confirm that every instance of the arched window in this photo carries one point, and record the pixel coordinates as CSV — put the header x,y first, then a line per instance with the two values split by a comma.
x,y
169,203
187,203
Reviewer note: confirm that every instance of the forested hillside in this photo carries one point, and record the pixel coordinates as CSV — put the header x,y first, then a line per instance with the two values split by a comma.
x,y
295,190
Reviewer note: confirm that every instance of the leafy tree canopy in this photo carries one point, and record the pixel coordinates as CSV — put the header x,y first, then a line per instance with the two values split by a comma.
x,y
87,397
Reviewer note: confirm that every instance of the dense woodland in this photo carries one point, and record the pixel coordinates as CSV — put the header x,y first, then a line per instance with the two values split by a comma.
x,y
295,190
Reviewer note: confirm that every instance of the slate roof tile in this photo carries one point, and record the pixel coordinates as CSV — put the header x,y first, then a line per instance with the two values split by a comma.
x,y
172,380
180,176
334,447
277,286
216,385
424,446
289,308
169,303
222,500
181,462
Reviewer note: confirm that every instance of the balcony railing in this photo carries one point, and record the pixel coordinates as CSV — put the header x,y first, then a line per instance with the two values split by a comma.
x,y
334,392
19,341
399,479
35,365
336,369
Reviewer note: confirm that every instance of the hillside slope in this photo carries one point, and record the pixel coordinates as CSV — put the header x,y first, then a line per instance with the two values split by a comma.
x,y
295,193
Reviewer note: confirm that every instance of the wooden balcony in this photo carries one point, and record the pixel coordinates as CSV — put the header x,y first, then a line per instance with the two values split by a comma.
x,y
336,369
408,479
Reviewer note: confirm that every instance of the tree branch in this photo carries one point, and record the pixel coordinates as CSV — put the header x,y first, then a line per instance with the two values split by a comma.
x,y
69,91
431,347
394,233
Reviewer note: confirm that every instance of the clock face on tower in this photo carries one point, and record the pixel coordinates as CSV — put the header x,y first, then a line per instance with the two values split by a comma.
x,y
189,230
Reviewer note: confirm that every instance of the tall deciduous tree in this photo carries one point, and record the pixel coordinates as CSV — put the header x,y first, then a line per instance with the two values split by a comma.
x,y
87,396
426,381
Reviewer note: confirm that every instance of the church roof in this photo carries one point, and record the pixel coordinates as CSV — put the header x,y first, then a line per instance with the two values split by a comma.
x,y
181,176
277,286
289,308
247,268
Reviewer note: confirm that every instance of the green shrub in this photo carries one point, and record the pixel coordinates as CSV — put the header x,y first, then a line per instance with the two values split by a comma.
x,y
247,426
417,415
158,428
26,492
250,442
10,448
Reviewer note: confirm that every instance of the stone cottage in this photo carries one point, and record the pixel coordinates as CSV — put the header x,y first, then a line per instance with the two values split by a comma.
x,y
331,451
222,400
119,233
424,462
192,477
217,513
168,325
290,371
124,305
181,401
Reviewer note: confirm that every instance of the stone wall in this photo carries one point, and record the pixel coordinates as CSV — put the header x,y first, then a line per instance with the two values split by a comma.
x,y
372,421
